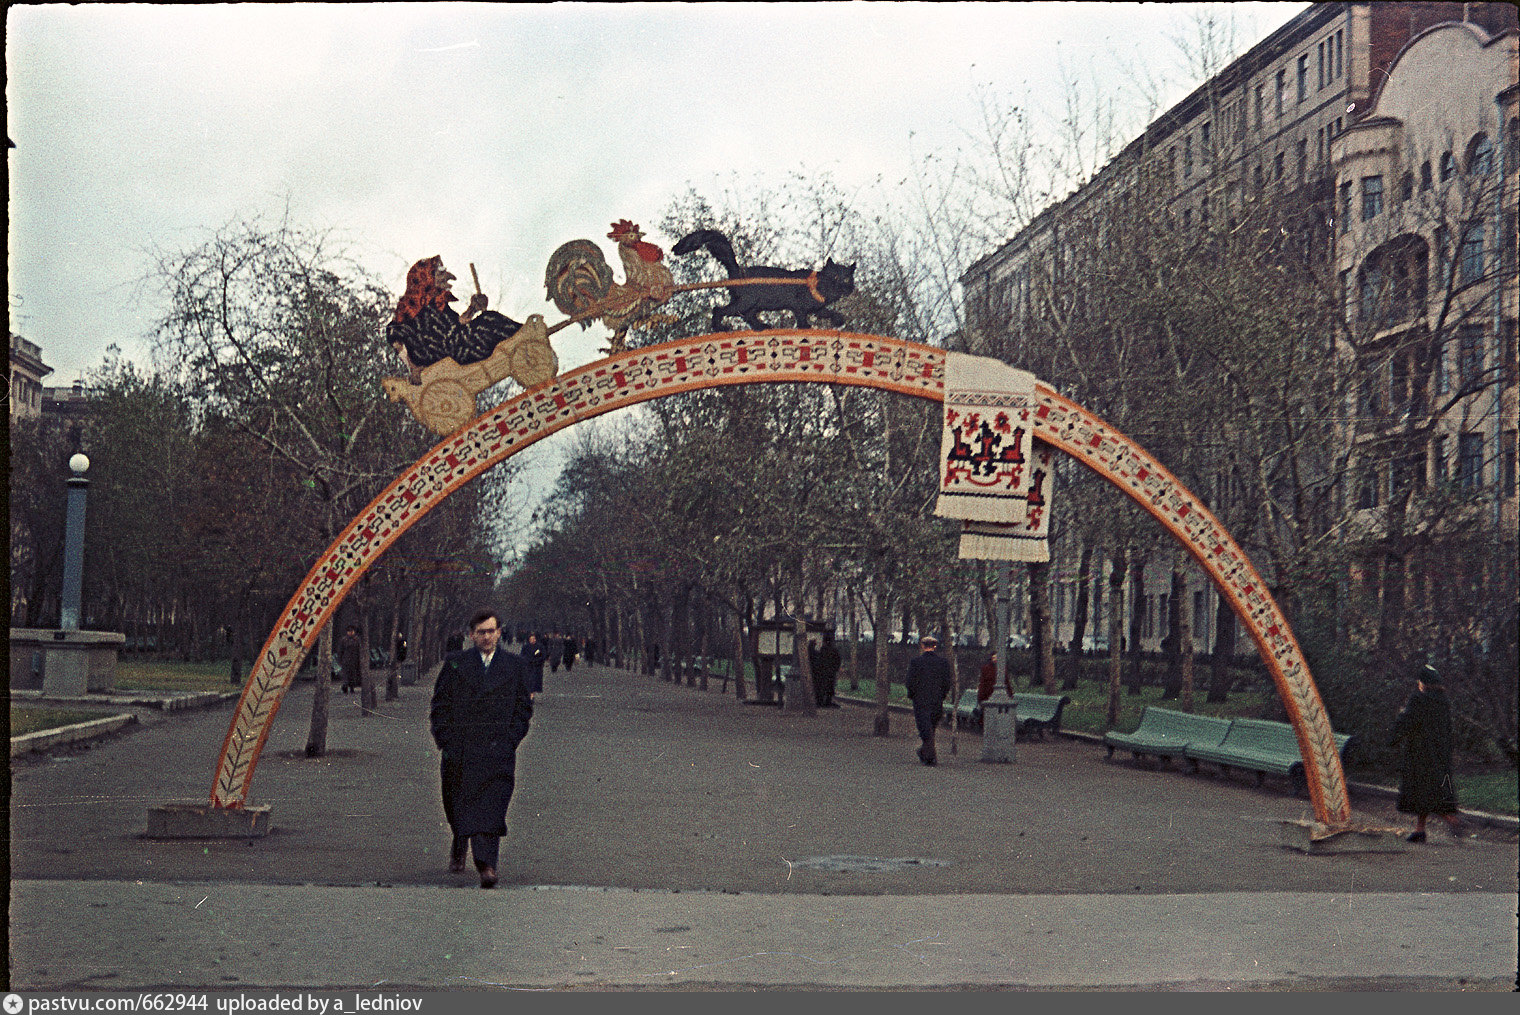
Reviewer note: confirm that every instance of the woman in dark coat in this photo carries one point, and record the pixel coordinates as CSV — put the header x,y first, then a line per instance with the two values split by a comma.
x,y
1424,729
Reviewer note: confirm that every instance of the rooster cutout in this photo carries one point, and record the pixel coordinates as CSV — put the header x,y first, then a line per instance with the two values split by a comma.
x,y
580,283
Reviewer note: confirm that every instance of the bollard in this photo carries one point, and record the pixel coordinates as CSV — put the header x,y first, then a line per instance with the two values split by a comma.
x,y
999,721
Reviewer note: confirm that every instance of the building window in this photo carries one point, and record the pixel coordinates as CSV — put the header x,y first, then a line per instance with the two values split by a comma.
x,y
1303,159
1470,462
1367,489
1437,460
1261,98
1339,51
1277,167
1282,91
1406,187
1303,77
1480,156
1261,182
1319,60
1425,177
1187,218
1372,197
1471,252
1439,380
1346,207
1448,167
1187,156
1469,354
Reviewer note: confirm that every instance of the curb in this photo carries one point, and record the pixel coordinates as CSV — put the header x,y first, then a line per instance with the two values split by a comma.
x,y
79,731
132,699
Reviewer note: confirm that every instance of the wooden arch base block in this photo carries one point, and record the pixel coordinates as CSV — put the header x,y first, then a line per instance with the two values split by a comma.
x,y
1313,837
197,819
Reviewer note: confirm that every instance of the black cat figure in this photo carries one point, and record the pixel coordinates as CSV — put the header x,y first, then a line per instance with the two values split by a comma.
x,y
806,299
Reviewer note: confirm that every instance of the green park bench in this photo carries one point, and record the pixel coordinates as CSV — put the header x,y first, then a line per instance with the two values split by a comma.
x,y
1036,712
1167,734
1260,746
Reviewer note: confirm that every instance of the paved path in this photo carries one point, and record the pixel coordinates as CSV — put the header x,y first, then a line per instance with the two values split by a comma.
x,y
662,836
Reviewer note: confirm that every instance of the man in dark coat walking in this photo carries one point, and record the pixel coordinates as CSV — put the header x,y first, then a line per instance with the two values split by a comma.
x,y
350,658
928,684
1424,728
825,661
533,656
480,714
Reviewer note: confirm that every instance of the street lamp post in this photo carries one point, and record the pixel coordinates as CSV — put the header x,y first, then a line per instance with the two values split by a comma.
x,y
73,544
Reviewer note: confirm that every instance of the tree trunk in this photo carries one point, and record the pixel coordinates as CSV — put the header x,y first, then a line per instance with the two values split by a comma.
x,y
316,737
1172,645
1224,652
1185,641
1044,623
1136,622
739,660
1115,634
854,646
1079,621
882,726
799,698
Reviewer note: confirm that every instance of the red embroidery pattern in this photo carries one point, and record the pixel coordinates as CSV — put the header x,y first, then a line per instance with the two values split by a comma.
x,y
749,358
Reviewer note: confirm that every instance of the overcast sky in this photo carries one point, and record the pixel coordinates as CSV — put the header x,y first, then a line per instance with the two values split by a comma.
x,y
488,133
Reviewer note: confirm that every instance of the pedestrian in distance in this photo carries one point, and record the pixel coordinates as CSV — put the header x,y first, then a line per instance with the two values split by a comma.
x,y
570,652
928,684
480,713
533,656
554,645
987,680
825,660
1423,728
350,658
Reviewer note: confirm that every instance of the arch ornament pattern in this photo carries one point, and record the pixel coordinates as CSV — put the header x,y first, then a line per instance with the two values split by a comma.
x,y
747,357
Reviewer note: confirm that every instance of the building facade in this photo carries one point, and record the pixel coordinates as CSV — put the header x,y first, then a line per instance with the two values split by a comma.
x,y
1296,119
27,372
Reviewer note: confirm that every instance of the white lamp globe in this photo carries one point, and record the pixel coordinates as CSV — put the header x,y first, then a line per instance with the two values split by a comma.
x,y
79,463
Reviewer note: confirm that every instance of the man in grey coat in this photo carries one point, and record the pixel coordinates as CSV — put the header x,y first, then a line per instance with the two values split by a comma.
x,y
928,684
480,713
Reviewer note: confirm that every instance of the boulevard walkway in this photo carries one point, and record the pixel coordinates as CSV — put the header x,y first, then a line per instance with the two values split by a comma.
x,y
666,838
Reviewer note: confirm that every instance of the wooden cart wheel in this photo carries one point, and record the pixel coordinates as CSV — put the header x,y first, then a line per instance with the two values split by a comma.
x,y
534,362
445,406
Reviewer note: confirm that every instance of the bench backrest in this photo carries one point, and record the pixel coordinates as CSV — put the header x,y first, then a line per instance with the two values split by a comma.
x,y
1199,729
1262,735
1039,704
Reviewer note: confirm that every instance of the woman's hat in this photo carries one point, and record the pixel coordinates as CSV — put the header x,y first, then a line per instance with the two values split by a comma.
x,y
1430,675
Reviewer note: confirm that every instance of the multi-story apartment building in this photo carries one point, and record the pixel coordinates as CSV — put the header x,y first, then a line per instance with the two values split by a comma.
x,y
1426,256
1286,120
27,372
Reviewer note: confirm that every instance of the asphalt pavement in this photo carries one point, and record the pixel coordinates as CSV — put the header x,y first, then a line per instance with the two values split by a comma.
x,y
668,838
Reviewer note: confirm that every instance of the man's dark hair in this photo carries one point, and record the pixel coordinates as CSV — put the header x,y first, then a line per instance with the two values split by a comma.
x,y
482,616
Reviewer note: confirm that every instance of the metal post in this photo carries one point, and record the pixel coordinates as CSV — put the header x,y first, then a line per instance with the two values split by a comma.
x,y
73,544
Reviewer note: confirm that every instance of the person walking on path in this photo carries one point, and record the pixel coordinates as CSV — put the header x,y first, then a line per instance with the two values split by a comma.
x,y
825,661
533,656
928,685
1424,730
480,713
555,647
350,659
570,652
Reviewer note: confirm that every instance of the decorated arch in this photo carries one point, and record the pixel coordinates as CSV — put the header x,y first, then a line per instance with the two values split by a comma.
x,y
765,357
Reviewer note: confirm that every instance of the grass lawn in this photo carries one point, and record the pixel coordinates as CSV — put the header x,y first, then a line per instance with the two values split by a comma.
x,y
26,720
1494,792
172,675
